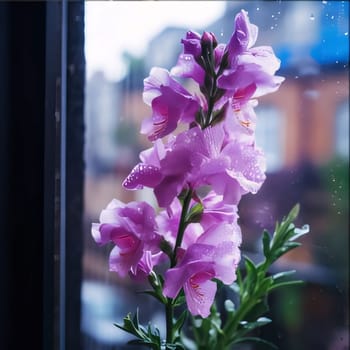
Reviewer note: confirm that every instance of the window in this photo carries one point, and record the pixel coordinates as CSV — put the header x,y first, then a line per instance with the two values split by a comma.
x,y
342,130
270,136
116,66
57,292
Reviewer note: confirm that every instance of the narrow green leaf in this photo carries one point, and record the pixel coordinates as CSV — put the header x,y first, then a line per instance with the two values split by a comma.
x,y
298,232
180,321
266,243
293,214
229,305
256,340
283,274
195,214
261,321
154,294
260,308
284,284
262,288
135,319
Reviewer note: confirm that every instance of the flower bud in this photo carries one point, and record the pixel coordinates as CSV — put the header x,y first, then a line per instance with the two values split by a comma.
x,y
209,40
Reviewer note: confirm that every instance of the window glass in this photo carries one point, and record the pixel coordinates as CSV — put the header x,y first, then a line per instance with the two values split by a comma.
x,y
342,130
124,39
270,136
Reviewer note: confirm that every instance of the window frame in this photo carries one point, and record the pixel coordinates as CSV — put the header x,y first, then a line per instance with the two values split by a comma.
x,y
41,182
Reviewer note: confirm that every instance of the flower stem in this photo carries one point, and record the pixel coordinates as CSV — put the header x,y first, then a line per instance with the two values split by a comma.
x,y
182,226
169,315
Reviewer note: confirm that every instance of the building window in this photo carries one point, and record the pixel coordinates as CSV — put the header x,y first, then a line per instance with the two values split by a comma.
x,y
341,137
270,135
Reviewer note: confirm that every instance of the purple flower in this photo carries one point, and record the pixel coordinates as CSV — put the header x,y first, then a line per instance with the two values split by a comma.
x,y
251,69
244,35
201,157
170,103
240,121
148,172
216,211
231,167
132,229
187,67
172,166
215,254
190,63
168,223
247,65
192,44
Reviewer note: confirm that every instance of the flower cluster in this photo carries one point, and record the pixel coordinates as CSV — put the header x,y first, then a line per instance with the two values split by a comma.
x,y
203,159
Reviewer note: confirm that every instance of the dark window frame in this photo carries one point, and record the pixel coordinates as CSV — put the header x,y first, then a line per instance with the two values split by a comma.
x,y
41,180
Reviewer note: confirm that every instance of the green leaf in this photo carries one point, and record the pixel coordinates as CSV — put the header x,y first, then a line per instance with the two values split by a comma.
x,y
260,308
284,249
195,214
263,287
266,243
284,284
180,299
180,321
293,214
154,294
229,305
298,232
283,274
261,321
166,247
250,280
255,340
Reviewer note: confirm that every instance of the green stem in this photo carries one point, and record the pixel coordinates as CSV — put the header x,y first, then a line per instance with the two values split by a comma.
x,y
211,103
169,315
182,226
243,309
169,306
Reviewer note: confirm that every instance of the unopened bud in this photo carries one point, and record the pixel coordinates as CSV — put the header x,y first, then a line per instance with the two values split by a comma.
x,y
209,40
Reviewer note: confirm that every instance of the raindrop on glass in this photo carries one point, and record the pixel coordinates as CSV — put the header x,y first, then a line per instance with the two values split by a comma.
x,y
312,17
346,33
324,2
258,8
